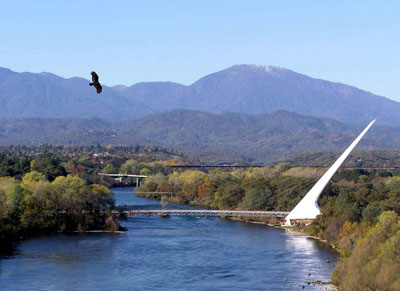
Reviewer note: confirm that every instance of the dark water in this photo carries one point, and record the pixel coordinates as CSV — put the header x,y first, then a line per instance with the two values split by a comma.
x,y
176,253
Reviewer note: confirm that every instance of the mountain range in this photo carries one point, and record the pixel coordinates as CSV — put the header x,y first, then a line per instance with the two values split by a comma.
x,y
25,95
249,89
225,137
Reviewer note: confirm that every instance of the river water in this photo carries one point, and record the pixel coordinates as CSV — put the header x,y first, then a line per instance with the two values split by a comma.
x,y
176,253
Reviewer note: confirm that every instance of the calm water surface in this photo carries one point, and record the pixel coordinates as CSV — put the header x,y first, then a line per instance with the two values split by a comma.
x,y
176,253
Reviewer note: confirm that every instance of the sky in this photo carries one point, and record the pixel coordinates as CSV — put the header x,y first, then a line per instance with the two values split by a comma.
x,y
126,42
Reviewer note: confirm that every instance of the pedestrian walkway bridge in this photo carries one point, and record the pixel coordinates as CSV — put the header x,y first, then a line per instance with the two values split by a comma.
x,y
197,212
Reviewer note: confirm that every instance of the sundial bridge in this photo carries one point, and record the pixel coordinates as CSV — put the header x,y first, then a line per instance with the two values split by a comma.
x,y
304,212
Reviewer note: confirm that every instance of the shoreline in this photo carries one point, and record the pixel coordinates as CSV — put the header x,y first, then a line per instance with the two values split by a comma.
x,y
9,243
289,229
92,231
296,231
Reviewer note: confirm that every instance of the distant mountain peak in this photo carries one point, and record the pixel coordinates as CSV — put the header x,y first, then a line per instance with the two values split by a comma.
x,y
267,68
272,69
261,68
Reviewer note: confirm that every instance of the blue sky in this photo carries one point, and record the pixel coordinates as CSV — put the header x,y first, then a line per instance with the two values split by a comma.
x,y
126,42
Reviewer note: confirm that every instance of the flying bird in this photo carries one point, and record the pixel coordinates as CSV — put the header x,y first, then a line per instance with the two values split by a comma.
x,y
95,82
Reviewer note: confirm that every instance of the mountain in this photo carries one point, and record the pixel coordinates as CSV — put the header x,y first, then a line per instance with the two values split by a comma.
x,y
160,96
261,137
250,89
24,95
255,89
227,137
38,131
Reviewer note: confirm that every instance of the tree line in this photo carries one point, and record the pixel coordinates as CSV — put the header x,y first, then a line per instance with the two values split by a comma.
x,y
35,205
46,189
86,162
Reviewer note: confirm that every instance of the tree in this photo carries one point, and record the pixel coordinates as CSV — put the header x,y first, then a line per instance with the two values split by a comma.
x,y
375,261
371,212
258,199
130,167
145,171
109,169
49,165
232,196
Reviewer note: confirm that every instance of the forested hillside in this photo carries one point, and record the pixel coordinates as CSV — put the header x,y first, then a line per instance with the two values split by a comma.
x,y
357,159
213,138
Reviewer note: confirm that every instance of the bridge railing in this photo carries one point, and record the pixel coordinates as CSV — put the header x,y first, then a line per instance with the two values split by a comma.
x,y
197,212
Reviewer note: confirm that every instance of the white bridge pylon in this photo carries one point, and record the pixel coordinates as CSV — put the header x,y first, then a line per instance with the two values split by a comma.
x,y
308,208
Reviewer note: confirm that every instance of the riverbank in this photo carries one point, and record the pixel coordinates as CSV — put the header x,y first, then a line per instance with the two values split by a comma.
x,y
8,242
300,232
291,229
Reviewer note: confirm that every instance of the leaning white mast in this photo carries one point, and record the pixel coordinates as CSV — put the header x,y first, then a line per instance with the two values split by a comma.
x,y
308,208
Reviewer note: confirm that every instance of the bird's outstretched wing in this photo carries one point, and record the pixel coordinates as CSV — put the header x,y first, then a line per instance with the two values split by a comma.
x,y
95,82
98,87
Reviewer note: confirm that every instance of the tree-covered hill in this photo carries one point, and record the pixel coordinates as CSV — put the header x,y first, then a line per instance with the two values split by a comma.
x,y
261,138
38,131
227,137
357,159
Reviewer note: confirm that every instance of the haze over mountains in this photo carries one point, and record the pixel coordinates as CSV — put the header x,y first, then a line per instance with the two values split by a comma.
x,y
250,89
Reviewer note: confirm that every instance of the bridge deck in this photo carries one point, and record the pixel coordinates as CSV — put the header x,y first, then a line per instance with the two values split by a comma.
x,y
196,212
122,175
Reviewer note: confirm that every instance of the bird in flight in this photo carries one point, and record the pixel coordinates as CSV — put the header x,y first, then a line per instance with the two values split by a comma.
x,y
95,82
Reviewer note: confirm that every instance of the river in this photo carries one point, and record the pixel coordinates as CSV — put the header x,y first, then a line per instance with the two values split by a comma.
x,y
175,253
